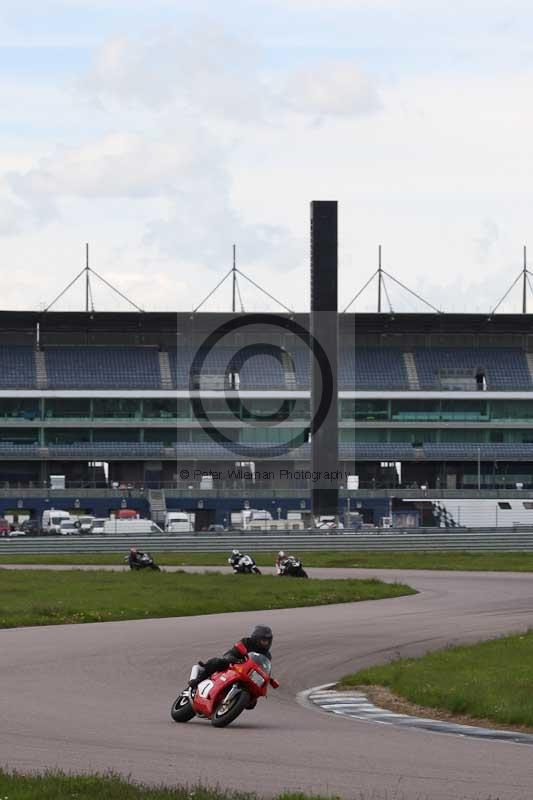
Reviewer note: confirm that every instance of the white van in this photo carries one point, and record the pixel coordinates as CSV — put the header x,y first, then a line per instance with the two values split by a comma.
x,y
97,526
84,523
257,518
69,527
52,519
130,527
179,522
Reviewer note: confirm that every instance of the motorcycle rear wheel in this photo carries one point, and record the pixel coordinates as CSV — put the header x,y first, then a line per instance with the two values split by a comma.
x,y
223,717
182,710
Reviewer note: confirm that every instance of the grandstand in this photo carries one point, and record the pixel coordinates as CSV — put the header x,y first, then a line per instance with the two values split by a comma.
x,y
442,401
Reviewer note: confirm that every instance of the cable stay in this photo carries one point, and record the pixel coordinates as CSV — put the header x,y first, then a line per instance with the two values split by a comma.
x,y
525,275
88,271
234,272
380,274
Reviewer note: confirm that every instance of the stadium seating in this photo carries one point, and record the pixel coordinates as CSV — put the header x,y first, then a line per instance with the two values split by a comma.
x,y
302,365
99,450
10,450
378,368
504,368
207,450
103,367
380,451
347,370
470,452
362,368
261,371
17,367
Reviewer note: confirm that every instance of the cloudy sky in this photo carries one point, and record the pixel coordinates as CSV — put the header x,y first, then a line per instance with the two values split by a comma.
x,y
163,132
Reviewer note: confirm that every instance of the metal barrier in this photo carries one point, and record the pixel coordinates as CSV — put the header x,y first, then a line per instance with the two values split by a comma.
x,y
422,539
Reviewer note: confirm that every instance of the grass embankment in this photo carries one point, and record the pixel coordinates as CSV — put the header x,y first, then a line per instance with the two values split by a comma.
x,y
489,562
488,681
44,597
58,786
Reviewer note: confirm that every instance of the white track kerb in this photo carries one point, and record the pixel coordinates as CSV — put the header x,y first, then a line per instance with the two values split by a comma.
x,y
355,704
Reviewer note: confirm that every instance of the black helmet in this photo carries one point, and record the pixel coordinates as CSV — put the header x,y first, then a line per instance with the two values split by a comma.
x,y
262,632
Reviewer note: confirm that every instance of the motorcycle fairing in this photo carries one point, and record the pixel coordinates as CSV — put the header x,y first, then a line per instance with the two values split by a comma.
x,y
210,690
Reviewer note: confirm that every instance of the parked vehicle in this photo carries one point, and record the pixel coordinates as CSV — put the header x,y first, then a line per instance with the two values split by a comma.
x,y
30,527
255,519
130,527
216,529
97,526
225,695
52,519
126,513
179,522
84,523
68,528
15,533
329,523
493,512
4,527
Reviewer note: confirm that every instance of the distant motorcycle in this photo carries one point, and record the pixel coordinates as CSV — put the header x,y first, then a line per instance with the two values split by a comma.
x,y
292,568
244,565
225,695
143,561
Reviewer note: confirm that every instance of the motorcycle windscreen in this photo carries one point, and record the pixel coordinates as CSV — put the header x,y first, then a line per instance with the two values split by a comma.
x,y
261,661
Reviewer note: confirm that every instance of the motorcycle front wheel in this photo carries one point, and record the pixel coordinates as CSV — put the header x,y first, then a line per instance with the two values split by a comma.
x,y
227,712
182,710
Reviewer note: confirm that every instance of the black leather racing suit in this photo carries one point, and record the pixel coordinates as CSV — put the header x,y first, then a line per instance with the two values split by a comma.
x,y
231,656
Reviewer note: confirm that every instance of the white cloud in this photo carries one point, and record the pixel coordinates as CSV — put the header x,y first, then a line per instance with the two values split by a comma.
x,y
172,97
187,176
331,89
212,73
117,165
486,239
176,144
205,70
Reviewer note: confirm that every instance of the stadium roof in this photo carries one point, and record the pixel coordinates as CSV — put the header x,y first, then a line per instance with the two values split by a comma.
x,y
24,323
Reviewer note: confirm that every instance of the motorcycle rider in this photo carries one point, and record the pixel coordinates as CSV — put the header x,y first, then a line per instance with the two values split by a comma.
x,y
293,566
241,562
135,558
280,560
259,641
234,558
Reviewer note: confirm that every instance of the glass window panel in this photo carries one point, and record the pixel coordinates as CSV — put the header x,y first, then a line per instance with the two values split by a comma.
x,y
67,408
371,409
116,408
23,407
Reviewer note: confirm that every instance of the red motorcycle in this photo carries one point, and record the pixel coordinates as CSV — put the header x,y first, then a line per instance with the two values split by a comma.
x,y
225,695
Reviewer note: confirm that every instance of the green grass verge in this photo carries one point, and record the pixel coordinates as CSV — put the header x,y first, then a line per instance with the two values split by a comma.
x,y
492,680
45,597
489,562
58,786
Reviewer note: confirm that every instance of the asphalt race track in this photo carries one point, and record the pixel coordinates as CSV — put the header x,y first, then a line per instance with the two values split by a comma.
x,y
97,697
